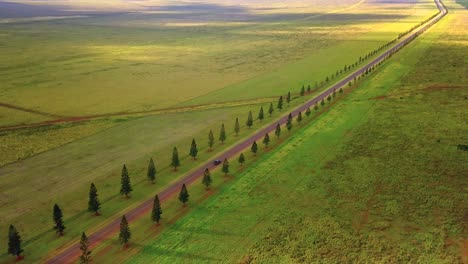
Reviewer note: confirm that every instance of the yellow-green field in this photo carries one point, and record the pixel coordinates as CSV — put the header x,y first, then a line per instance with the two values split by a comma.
x,y
178,56
141,61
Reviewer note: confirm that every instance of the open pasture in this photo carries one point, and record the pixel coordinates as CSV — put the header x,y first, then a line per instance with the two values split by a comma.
x,y
184,55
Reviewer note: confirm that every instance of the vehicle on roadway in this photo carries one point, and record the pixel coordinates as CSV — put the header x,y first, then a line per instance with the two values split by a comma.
x,y
216,162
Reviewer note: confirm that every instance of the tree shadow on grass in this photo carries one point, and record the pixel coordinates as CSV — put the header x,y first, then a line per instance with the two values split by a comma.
x,y
150,251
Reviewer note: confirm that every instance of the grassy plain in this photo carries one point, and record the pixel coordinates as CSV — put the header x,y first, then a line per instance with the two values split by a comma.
x,y
377,179
290,45
142,61
24,143
91,57
104,59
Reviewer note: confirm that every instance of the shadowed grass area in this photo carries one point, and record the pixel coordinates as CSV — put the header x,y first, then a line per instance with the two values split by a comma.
x,y
378,178
463,3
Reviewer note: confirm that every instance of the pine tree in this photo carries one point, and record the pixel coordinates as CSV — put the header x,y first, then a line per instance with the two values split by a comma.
x,y
322,103
299,117
289,122
249,120
193,150
303,90
261,115
125,233
222,134
207,179
237,126
254,148
210,139
151,174
125,185
334,93
280,103
309,89
241,159
225,168
271,109
278,130
183,195
308,112
329,98
57,216
266,140
14,242
85,257
175,163
157,211
288,98
341,90
93,203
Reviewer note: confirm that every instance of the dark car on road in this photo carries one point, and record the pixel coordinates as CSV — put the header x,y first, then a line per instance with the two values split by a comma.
x,y
216,162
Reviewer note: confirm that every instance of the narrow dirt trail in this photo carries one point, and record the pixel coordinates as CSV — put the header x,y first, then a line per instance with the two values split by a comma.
x,y
70,119
32,111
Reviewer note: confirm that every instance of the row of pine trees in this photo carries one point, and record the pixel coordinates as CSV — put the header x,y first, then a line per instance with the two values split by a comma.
x,y
94,204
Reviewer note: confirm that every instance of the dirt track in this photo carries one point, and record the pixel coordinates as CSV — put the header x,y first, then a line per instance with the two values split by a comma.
x,y
19,108
71,119
72,253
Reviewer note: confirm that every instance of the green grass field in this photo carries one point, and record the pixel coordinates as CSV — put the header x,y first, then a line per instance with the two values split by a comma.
x,y
132,63
377,179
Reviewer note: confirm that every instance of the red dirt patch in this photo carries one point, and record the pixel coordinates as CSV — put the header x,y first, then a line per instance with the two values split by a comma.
x,y
464,251
441,86
381,97
104,251
362,221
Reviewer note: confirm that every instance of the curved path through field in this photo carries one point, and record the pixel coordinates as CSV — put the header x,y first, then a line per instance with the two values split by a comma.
x,y
71,254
